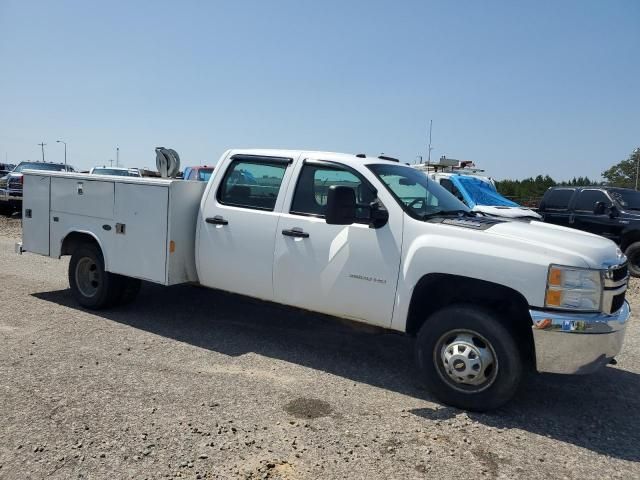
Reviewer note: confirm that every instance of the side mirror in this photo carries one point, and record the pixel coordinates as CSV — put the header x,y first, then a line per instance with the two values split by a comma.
x,y
598,208
613,211
341,205
378,217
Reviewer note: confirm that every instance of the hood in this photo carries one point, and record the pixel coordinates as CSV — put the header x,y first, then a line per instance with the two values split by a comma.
x,y
594,250
507,212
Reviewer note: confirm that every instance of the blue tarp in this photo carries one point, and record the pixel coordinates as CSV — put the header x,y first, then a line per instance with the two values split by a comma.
x,y
479,192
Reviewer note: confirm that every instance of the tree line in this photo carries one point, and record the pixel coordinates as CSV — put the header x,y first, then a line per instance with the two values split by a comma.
x,y
530,190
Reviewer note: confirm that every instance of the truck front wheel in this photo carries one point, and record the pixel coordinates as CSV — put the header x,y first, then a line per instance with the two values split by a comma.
x,y
468,358
91,285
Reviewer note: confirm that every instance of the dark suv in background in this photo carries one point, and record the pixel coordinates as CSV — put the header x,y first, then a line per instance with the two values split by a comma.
x,y
608,211
11,184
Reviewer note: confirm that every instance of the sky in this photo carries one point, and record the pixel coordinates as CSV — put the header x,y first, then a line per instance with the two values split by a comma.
x,y
521,88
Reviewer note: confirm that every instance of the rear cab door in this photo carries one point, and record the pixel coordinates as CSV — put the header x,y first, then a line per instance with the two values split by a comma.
x,y
556,204
239,216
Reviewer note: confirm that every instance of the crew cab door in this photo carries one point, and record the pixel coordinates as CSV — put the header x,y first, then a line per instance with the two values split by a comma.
x,y
556,207
238,228
344,270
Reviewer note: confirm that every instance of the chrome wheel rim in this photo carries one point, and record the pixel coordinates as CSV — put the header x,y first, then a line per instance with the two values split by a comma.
x,y
466,361
88,277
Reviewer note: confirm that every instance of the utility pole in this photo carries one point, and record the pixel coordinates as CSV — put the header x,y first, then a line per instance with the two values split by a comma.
x,y
117,156
42,144
429,148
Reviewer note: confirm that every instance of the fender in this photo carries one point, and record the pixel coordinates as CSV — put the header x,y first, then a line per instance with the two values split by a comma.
x,y
58,253
519,265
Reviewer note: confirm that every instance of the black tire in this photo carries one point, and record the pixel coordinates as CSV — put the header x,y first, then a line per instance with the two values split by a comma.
x,y
130,289
449,330
6,209
633,256
91,285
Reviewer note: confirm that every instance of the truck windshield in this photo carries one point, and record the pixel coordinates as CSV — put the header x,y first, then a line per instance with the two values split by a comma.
x,y
417,195
628,199
54,167
204,174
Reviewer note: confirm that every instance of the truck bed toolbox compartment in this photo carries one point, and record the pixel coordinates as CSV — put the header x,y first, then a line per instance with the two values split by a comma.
x,y
145,227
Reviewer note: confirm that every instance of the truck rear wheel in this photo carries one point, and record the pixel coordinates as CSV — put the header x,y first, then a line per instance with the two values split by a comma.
x,y
91,285
468,358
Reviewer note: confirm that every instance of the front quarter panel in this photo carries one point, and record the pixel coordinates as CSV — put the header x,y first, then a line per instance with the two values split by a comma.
x,y
436,248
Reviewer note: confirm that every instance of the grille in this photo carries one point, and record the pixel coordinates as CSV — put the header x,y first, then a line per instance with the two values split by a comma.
x,y
617,302
15,183
619,273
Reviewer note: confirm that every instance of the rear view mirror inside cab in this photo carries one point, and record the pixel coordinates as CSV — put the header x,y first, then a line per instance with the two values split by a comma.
x,y
406,182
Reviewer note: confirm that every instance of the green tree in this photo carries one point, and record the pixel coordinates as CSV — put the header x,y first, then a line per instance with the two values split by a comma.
x,y
623,174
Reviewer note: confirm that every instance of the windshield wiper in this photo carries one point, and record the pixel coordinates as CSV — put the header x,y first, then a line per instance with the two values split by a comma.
x,y
447,213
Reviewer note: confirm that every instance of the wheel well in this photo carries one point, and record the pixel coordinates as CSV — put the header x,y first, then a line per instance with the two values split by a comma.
x,y
72,241
438,290
629,238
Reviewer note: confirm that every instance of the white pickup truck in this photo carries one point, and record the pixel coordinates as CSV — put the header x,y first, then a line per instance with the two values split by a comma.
x,y
358,237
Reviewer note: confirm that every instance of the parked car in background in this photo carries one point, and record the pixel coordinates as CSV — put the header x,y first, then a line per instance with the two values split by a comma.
x,y
202,173
11,184
117,171
611,212
480,195
474,188
5,168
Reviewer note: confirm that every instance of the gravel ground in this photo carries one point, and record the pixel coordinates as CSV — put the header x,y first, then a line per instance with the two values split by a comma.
x,y
194,383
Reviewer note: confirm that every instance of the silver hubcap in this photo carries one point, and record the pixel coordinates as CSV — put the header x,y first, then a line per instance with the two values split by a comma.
x,y
88,277
466,360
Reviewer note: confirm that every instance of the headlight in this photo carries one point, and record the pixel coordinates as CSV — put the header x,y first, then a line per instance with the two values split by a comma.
x,y
573,288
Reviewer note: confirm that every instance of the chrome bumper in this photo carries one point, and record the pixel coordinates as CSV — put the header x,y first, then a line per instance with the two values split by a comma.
x,y
577,342
7,195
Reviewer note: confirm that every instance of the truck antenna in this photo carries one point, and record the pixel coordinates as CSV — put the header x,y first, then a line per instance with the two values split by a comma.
x,y
429,148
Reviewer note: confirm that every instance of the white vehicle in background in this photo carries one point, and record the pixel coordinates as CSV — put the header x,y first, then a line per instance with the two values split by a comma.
x,y
116,171
476,190
363,238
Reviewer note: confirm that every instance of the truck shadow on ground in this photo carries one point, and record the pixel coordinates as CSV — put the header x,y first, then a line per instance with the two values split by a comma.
x,y
597,412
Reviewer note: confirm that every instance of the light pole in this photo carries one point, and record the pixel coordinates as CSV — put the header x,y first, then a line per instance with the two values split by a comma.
x,y
117,156
636,152
65,151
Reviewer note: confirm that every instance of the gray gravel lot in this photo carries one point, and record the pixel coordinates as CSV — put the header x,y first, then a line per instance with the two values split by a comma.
x,y
194,383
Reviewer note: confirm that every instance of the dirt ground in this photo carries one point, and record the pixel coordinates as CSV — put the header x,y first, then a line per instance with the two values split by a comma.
x,y
194,383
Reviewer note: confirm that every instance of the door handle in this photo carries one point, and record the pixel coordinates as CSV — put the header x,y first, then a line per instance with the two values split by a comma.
x,y
217,220
295,233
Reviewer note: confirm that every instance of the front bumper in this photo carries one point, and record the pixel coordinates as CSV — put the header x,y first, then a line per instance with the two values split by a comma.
x,y
577,343
12,196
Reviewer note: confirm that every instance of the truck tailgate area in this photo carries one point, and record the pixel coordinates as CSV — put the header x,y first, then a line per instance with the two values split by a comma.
x,y
145,227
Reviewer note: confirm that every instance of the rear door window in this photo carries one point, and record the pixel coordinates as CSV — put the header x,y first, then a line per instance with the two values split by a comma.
x,y
252,184
558,199
587,199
